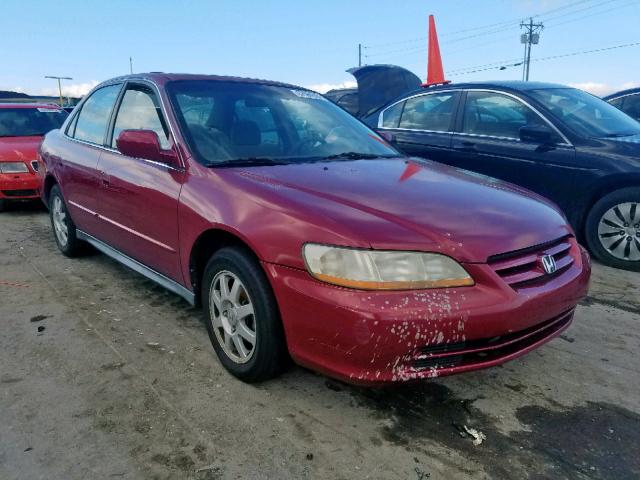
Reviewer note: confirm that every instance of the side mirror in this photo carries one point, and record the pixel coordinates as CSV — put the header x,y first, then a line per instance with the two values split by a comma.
x,y
145,144
536,134
388,136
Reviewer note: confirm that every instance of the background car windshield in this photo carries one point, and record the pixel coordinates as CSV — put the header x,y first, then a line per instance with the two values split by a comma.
x,y
586,114
27,122
226,121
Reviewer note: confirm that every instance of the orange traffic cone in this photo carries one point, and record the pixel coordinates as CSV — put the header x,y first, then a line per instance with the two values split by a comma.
x,y
435,72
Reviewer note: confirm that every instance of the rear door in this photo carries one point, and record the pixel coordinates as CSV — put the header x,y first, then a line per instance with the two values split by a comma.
x,y
422,124
487,140
138,198
78,173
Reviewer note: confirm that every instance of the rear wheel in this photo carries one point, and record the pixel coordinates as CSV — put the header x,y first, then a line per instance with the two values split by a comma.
x,y
64,230
613,229
3,205
242,317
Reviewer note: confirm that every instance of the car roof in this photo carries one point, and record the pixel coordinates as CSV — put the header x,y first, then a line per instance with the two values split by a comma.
x,y
30,105
514,85
622,93
161,78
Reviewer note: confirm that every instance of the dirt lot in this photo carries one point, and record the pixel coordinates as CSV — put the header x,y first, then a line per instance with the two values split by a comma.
x,y
105,375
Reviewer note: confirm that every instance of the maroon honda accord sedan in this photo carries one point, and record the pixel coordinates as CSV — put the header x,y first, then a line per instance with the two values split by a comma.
x,y
304,235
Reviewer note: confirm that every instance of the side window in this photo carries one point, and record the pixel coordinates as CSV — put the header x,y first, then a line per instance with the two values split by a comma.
x,y
140,110
497,115
92,121
391,116
632,106
429,112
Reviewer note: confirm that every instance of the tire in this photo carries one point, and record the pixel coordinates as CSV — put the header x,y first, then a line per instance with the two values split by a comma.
x,y
613,229
69,245
229,322
3,205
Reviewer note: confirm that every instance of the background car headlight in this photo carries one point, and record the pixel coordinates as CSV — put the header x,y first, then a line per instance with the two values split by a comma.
x,y
383,270
13,167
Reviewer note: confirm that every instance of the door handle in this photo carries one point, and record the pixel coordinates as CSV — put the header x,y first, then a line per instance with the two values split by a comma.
x,y
105,179
465,146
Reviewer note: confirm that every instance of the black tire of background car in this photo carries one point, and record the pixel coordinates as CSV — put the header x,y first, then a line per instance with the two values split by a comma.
x,y
3,204
74,247
270,357
617,197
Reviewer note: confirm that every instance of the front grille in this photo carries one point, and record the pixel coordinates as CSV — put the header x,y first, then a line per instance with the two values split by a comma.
x,y
20,193
523,268
487,349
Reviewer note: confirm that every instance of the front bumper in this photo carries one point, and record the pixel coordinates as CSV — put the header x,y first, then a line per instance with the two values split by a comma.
x,y
19,186
368,337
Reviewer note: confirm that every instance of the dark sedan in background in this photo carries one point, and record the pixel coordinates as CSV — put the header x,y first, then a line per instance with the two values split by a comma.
x,y
627,100
560,142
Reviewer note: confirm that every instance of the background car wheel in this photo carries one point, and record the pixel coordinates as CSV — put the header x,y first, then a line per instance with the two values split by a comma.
x,y
64,230
242,316
613,229
3,205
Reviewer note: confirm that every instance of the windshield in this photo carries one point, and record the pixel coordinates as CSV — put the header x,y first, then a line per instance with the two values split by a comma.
x,y
235,122
29,122
587,115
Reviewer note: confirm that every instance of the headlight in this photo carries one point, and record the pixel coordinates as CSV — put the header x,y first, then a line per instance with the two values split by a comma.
x,y
13,167
383,270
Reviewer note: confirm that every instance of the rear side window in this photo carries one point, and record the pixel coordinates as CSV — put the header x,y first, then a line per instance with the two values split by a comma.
x,y
140,110
431,112
632,106
497,115
350,103
617,102
92,121
391,116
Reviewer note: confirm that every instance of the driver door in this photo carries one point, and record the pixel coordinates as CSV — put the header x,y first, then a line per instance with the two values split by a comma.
x,y
487,140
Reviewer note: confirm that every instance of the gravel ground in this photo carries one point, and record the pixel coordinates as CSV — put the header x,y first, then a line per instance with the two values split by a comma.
x,y
103,375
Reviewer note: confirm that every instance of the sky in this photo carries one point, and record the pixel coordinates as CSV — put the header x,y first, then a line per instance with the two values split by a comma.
x,y
313,43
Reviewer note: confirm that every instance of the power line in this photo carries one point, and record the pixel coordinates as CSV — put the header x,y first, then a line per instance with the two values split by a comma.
x,y
489,29
506,63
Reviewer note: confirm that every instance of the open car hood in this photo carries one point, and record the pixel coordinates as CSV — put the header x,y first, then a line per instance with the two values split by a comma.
x,y
379,84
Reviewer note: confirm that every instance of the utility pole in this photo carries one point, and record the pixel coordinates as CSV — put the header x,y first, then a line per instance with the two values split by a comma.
x,y
59,85
359,54
531,37
131,65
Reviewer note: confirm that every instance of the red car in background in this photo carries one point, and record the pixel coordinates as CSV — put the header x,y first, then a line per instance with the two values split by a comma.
x,y
22,126
302,233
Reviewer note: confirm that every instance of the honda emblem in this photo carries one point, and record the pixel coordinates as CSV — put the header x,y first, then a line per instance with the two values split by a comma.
x,y
549,264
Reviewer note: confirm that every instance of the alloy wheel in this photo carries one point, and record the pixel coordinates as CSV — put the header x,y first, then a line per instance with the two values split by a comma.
x,y
619,231
59,216
232,316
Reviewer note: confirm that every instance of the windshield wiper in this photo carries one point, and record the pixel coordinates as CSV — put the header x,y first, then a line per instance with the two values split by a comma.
x,y
353,156
250,162
615,135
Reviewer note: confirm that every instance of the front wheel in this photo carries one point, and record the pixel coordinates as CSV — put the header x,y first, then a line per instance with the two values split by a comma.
x,y
242,317
613,229
64,230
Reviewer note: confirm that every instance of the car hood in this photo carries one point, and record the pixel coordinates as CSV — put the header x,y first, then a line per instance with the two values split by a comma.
x,y
379,84
412,204
19,148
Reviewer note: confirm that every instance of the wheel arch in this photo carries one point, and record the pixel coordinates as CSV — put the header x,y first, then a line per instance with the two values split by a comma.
x,y
49,182
205,245
604,187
